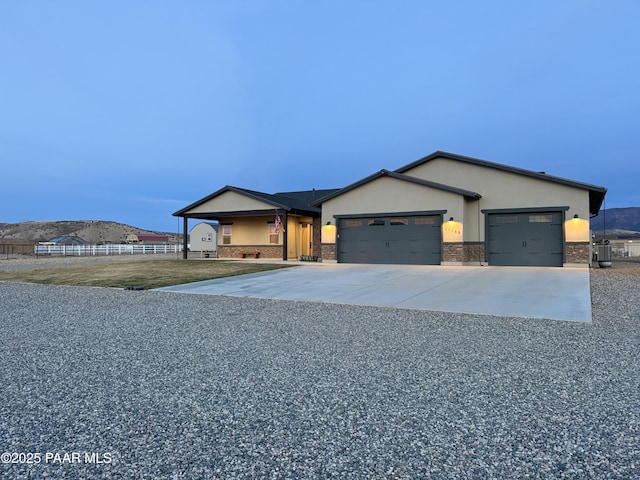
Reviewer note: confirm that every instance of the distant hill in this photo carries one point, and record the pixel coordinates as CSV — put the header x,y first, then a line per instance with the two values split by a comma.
x,y
621,221
93,231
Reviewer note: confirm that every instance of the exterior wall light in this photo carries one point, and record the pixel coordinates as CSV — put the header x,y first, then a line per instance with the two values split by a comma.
x,y
328,233
576,229
452,231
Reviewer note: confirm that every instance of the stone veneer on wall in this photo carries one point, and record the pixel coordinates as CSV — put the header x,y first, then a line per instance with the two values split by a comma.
x,y
328,251
577,252
473,252
463,252
235,251
452,252
316,237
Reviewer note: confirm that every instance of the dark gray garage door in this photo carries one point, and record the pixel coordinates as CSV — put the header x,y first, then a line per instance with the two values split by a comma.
x,y
408,240
525,239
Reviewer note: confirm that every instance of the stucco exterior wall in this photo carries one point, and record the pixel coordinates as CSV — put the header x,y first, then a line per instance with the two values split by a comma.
x,y
389,195
473,221
252,231
501,189
247,230
230,202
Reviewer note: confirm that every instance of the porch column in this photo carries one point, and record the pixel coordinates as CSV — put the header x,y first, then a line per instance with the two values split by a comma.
x,y
285,243
185,222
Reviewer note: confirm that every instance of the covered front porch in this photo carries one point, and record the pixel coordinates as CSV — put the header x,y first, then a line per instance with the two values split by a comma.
x,y
253,224
269,235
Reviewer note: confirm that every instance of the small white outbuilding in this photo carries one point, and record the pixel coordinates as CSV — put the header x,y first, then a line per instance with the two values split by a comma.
x,y
204,237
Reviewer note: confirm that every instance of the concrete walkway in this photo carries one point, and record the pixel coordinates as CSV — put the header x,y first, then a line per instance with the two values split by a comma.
x,y
530,292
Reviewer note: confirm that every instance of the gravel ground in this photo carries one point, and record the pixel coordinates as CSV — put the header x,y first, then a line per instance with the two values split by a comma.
x,y
155,385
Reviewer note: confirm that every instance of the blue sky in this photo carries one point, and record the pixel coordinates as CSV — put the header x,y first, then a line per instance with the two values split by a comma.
x,y
130,110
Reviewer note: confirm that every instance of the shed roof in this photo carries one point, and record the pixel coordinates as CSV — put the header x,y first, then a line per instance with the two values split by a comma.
x,y
150,237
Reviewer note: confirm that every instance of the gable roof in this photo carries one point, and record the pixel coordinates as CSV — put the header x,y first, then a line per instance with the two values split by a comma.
x,y
596,193
307,197
151,237
300,201
398,176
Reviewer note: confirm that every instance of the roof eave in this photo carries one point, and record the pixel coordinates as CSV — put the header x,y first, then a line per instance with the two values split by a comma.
x,y
596,199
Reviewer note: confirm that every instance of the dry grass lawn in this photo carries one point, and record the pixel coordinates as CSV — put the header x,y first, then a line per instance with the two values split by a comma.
x,y
148,274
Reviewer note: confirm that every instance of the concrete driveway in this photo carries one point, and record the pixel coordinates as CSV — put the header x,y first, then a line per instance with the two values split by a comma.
x,y
530,292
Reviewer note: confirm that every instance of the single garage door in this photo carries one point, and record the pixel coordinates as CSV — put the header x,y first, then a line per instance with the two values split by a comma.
x,y
525,239
408,240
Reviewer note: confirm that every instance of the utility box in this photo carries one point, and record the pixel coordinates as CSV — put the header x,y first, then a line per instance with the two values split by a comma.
x,y
603,253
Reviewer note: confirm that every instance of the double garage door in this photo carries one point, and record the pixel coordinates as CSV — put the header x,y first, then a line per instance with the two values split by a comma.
x,y
525,239
406,240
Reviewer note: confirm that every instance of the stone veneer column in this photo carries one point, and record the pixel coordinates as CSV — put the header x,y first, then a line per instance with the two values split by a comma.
x,y
461,252
328,251
577,252
317,237
473,253
452,252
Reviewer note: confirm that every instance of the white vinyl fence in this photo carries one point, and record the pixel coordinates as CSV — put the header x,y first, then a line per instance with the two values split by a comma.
x,y
118,249
625,249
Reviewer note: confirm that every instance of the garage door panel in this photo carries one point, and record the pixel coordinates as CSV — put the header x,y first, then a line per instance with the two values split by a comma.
x,y
402,240
525,239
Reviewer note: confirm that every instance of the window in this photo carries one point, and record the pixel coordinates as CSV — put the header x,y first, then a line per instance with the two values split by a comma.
x,y
226,234
351,222
274,235
376,222
505,219
540,218
423,221
399,221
